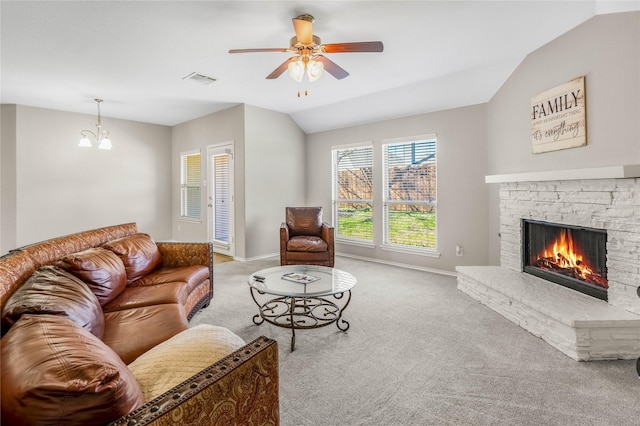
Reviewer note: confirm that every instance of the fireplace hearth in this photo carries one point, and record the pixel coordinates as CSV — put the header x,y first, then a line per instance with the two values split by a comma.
x,y
571,256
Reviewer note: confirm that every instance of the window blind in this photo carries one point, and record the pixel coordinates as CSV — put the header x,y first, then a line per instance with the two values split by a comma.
x,y
353,192
221,202
410,194
190,192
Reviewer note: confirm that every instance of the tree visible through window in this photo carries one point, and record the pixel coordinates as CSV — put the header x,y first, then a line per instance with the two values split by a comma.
x,y
190,200
353,192
409,194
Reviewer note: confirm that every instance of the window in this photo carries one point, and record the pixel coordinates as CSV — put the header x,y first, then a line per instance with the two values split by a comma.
x,y
353,193
190,186
409,193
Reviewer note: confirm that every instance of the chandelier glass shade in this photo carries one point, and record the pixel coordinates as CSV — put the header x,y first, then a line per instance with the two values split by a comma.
x,y
101,137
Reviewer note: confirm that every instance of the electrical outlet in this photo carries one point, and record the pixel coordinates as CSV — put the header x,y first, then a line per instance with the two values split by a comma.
x,y
459,250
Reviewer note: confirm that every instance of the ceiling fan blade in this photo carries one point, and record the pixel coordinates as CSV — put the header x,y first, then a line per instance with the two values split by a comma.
x,y
269,49
278,71
332,68
304,29
362,46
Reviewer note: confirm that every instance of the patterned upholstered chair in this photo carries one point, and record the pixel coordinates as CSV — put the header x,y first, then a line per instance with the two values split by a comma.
x,y
305,239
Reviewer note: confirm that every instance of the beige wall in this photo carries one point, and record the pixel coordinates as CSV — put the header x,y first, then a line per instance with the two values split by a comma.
x,y
8,178
269,174
274,177
606,50
462,195
49,187
61,188
212,129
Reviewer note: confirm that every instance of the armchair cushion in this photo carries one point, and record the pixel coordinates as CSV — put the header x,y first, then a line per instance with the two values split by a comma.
x,y
304,221
101,269
307,243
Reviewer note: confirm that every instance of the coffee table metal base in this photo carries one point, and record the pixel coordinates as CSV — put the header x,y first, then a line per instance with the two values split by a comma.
x,y
302,313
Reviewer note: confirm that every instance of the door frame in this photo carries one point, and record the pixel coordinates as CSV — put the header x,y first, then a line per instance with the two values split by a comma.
x,y
221,247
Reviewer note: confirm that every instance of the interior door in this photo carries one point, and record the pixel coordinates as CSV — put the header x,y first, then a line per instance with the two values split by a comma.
x,y
220,202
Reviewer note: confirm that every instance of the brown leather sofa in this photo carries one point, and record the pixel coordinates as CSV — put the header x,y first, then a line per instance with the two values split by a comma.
x,y
78,310
305,239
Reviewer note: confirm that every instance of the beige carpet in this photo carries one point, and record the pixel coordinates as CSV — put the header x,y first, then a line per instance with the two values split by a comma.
x,y
419,352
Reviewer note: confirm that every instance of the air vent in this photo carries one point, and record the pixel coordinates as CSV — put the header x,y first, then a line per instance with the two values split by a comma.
x,y
200,78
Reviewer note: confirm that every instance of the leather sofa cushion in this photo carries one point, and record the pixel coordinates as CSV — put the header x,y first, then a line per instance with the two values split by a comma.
x,y
182,356
138,253
307,244
192,275
304,220
51,290
61,374
132,332
135,297
101,269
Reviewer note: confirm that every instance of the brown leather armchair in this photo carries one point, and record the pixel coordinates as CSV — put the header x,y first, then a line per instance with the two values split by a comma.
x,y
305,239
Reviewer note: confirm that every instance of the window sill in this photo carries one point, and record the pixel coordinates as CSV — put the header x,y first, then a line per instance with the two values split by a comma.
x,y
408,250
355,243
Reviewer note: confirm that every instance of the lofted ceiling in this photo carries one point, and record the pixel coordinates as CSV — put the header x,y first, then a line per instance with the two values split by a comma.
x,y
135,54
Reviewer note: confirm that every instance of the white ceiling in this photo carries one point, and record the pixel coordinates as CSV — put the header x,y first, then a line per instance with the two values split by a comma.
x,y
135,54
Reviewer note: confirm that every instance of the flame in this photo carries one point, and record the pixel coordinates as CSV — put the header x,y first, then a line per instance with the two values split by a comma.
x,y
564,255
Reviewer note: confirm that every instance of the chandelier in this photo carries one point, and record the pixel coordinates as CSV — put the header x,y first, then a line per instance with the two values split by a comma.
x,y
101,137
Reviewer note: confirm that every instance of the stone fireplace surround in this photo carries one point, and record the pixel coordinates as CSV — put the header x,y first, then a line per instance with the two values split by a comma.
x,y
581,326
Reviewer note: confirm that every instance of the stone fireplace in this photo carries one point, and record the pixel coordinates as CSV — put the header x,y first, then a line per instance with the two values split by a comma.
x,y
582,325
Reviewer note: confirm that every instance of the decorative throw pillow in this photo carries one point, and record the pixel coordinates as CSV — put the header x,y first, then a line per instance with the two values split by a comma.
x,y
101,269
139,254
55,372
185,354
51,290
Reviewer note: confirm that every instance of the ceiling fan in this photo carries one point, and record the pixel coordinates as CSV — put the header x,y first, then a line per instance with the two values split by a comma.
x,y
309,53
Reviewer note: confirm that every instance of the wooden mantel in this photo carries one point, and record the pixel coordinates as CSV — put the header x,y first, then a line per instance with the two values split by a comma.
x,y
607,172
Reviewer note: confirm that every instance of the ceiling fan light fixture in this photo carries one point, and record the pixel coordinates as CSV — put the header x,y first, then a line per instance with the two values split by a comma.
x,y
314,70
309,53
296,70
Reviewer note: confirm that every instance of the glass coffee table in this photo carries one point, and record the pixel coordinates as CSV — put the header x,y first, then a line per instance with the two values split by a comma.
x,y
306,297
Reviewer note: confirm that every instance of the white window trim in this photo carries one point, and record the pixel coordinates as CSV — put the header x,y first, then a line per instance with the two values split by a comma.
x,y
187,218
406,139
421,251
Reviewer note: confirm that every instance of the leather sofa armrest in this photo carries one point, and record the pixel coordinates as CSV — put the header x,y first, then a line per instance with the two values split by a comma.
x,y
242,388
186,254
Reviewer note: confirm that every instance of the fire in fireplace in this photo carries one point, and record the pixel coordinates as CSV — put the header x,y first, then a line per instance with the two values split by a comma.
x,y
574,257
